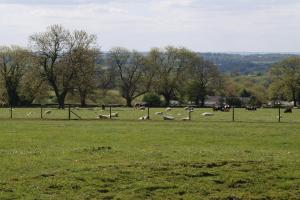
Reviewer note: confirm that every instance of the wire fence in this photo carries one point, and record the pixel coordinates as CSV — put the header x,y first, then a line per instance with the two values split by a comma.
x,y
116,112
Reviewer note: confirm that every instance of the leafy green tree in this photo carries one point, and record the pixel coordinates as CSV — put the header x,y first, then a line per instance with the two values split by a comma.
x,y
170,65
204,78
285,77
152,100
134,76
14,64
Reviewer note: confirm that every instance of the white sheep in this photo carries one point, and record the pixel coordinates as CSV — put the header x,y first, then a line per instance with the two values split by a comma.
x,y
159,113
146,117
168,109
115,114
185,119
47,112
168,118
28,114
103,117
207,114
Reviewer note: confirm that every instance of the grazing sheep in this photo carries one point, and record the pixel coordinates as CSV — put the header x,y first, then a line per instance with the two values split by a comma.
x,y
185,119
207,114
103,117
159,113
115,114
186,108
47,112
168,109
168,118
146,117
28,114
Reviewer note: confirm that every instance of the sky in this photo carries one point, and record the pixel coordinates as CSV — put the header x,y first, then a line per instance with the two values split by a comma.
x,y
200,25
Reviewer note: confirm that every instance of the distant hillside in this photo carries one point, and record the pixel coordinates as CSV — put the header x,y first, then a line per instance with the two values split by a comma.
x,y
244,63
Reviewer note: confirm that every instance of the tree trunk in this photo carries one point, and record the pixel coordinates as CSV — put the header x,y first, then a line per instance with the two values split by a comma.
x,y
13,97
128,102
197,99
202,101
294,98
167,100
83,99
61,102
59,96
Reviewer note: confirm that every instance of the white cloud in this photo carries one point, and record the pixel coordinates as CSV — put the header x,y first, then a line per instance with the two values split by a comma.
x,y
203,25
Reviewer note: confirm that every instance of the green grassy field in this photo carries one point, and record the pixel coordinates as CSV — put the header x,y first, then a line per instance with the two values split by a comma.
x,y
130,159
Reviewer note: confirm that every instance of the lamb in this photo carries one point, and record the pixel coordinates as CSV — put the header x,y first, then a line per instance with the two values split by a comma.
x,y
103,117
108,116
207,114
168,109
28,114
159,113
47,112
185,119
168,118
115,114
146,117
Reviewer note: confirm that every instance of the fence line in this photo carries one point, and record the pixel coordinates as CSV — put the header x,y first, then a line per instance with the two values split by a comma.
x,y
71,110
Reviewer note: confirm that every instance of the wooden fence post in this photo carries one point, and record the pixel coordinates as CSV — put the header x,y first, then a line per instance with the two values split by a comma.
x,y
109,112
11,111
69,112
233,119
41,111
279,114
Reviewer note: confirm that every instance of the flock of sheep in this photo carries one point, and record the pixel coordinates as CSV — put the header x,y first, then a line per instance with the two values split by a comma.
x,y
165,115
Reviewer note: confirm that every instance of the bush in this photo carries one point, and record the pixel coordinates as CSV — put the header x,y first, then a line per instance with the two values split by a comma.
x,y
152,100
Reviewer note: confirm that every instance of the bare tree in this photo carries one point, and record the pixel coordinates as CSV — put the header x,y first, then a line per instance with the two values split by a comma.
x,y
52,51
134,76
83,58
14,63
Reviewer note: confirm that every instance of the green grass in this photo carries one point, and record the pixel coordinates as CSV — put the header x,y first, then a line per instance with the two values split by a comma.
x,y
129,159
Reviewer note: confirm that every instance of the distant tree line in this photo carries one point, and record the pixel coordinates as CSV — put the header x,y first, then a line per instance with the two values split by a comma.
x,y
64,64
